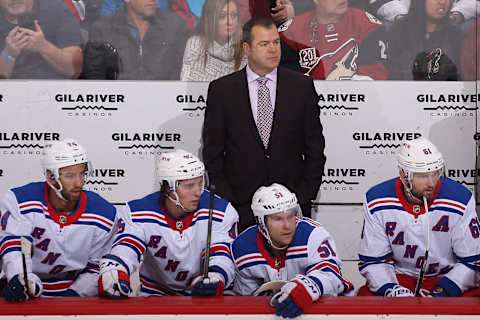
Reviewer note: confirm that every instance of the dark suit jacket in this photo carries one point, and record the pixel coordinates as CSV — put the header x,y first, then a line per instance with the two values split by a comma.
x,y
233,152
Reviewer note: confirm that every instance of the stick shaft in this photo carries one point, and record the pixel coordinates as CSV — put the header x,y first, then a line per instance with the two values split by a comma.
x,y
209,232
26,252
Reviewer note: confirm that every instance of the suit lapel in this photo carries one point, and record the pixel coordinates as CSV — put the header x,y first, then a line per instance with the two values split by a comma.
x,y
280,107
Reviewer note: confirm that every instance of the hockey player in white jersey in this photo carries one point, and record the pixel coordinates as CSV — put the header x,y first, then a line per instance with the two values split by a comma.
x,y
419,211
169,229
69,229
285,246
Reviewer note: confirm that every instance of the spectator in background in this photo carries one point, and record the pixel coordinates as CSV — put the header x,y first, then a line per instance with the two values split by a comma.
x,y
470,54
77,7
434,65
462,13
424,28
215,48
188,10
150,41
40,39
110,6
335,42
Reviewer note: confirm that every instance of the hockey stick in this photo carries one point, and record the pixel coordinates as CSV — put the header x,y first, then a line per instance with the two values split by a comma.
x,y
274,285
209,232
418,287
26,253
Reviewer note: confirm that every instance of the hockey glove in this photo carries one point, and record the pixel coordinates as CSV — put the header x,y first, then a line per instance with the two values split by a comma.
x,y
114,279
16,290
395,290
445,288
295,297
211,286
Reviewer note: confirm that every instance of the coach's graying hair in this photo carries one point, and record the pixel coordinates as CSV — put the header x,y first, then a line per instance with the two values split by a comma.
x,y
255,21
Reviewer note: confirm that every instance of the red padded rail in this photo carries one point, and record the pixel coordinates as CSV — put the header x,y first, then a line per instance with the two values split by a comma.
x,y
238,305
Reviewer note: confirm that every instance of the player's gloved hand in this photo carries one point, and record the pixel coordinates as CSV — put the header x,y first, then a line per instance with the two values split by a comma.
x,y
445,288
438,291
295,297
17,291
211,286
398,291
114,279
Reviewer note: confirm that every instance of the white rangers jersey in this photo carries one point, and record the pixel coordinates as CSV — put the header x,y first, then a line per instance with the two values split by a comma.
x,y
173,250
66,248
395,234
312,253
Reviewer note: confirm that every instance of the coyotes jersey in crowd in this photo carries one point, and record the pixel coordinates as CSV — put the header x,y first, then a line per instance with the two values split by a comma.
x,y
395,235
353,46
66,248
172,250
312,253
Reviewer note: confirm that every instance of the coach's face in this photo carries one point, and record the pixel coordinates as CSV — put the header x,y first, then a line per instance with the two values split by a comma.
x,y
264,51
15,7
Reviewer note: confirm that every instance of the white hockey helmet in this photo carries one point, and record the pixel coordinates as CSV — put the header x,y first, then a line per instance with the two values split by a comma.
x,y
418,156
60,154
176,166
271,200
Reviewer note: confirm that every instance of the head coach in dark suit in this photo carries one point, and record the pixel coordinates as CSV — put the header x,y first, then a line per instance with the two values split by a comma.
x,y
262,125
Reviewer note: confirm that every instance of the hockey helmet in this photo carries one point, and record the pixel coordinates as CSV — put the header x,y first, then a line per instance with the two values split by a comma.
x,y
419,155
176,166
60,154
271,200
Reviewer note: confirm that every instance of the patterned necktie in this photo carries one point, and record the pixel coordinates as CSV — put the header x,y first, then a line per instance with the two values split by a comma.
x,y
265,111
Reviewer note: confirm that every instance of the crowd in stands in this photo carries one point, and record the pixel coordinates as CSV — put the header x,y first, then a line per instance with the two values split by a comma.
x,y
200,40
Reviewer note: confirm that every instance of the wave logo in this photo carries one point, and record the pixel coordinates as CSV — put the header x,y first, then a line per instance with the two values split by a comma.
x,y
466,177
104,179
193,105
341,179
105,176
146,143
382,143
449,105
26,140
90,105
340,105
